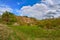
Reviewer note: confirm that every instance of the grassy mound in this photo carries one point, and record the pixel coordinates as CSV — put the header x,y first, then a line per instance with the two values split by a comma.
x,y
11,32
36,33
6,33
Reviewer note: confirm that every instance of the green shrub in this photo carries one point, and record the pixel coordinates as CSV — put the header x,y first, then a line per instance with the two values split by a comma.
x,y
8,18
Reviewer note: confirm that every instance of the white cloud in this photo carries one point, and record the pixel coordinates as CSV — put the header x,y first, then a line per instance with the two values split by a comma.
x,y
56,1
38,10
4,8
49,2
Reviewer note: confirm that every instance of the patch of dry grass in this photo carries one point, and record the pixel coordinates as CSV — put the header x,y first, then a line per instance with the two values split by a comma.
x,y
4,32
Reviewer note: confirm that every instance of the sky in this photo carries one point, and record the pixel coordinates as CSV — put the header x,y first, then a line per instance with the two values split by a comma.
x,y
31,8
18,3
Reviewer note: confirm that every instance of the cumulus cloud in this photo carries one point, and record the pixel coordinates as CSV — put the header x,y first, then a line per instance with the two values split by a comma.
x,y
39,10
49,2
4,8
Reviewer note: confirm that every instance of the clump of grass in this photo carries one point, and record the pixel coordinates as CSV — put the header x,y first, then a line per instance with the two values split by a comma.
x,y
6,33
34,31
11,32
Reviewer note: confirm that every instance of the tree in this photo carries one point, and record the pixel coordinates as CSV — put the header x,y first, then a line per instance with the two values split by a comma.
x,y
8,17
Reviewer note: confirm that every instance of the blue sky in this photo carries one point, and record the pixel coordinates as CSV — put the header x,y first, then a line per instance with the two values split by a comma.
x,y
17,4
31,8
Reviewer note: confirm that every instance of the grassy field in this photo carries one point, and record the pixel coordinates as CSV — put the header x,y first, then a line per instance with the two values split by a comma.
x,y
14,27
33,33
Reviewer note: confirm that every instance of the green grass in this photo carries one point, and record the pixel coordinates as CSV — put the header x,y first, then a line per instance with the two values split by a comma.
x,y
33,32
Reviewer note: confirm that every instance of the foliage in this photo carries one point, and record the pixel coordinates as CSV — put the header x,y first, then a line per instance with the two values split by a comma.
x,y
36,32
8,18
30,28
49,23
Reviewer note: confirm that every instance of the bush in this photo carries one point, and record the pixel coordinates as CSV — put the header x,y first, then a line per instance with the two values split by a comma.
x,y
8,18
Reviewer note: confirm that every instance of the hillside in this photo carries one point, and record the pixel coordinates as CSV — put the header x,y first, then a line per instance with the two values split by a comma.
x,y
14,27
46,23
11,19
23,20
